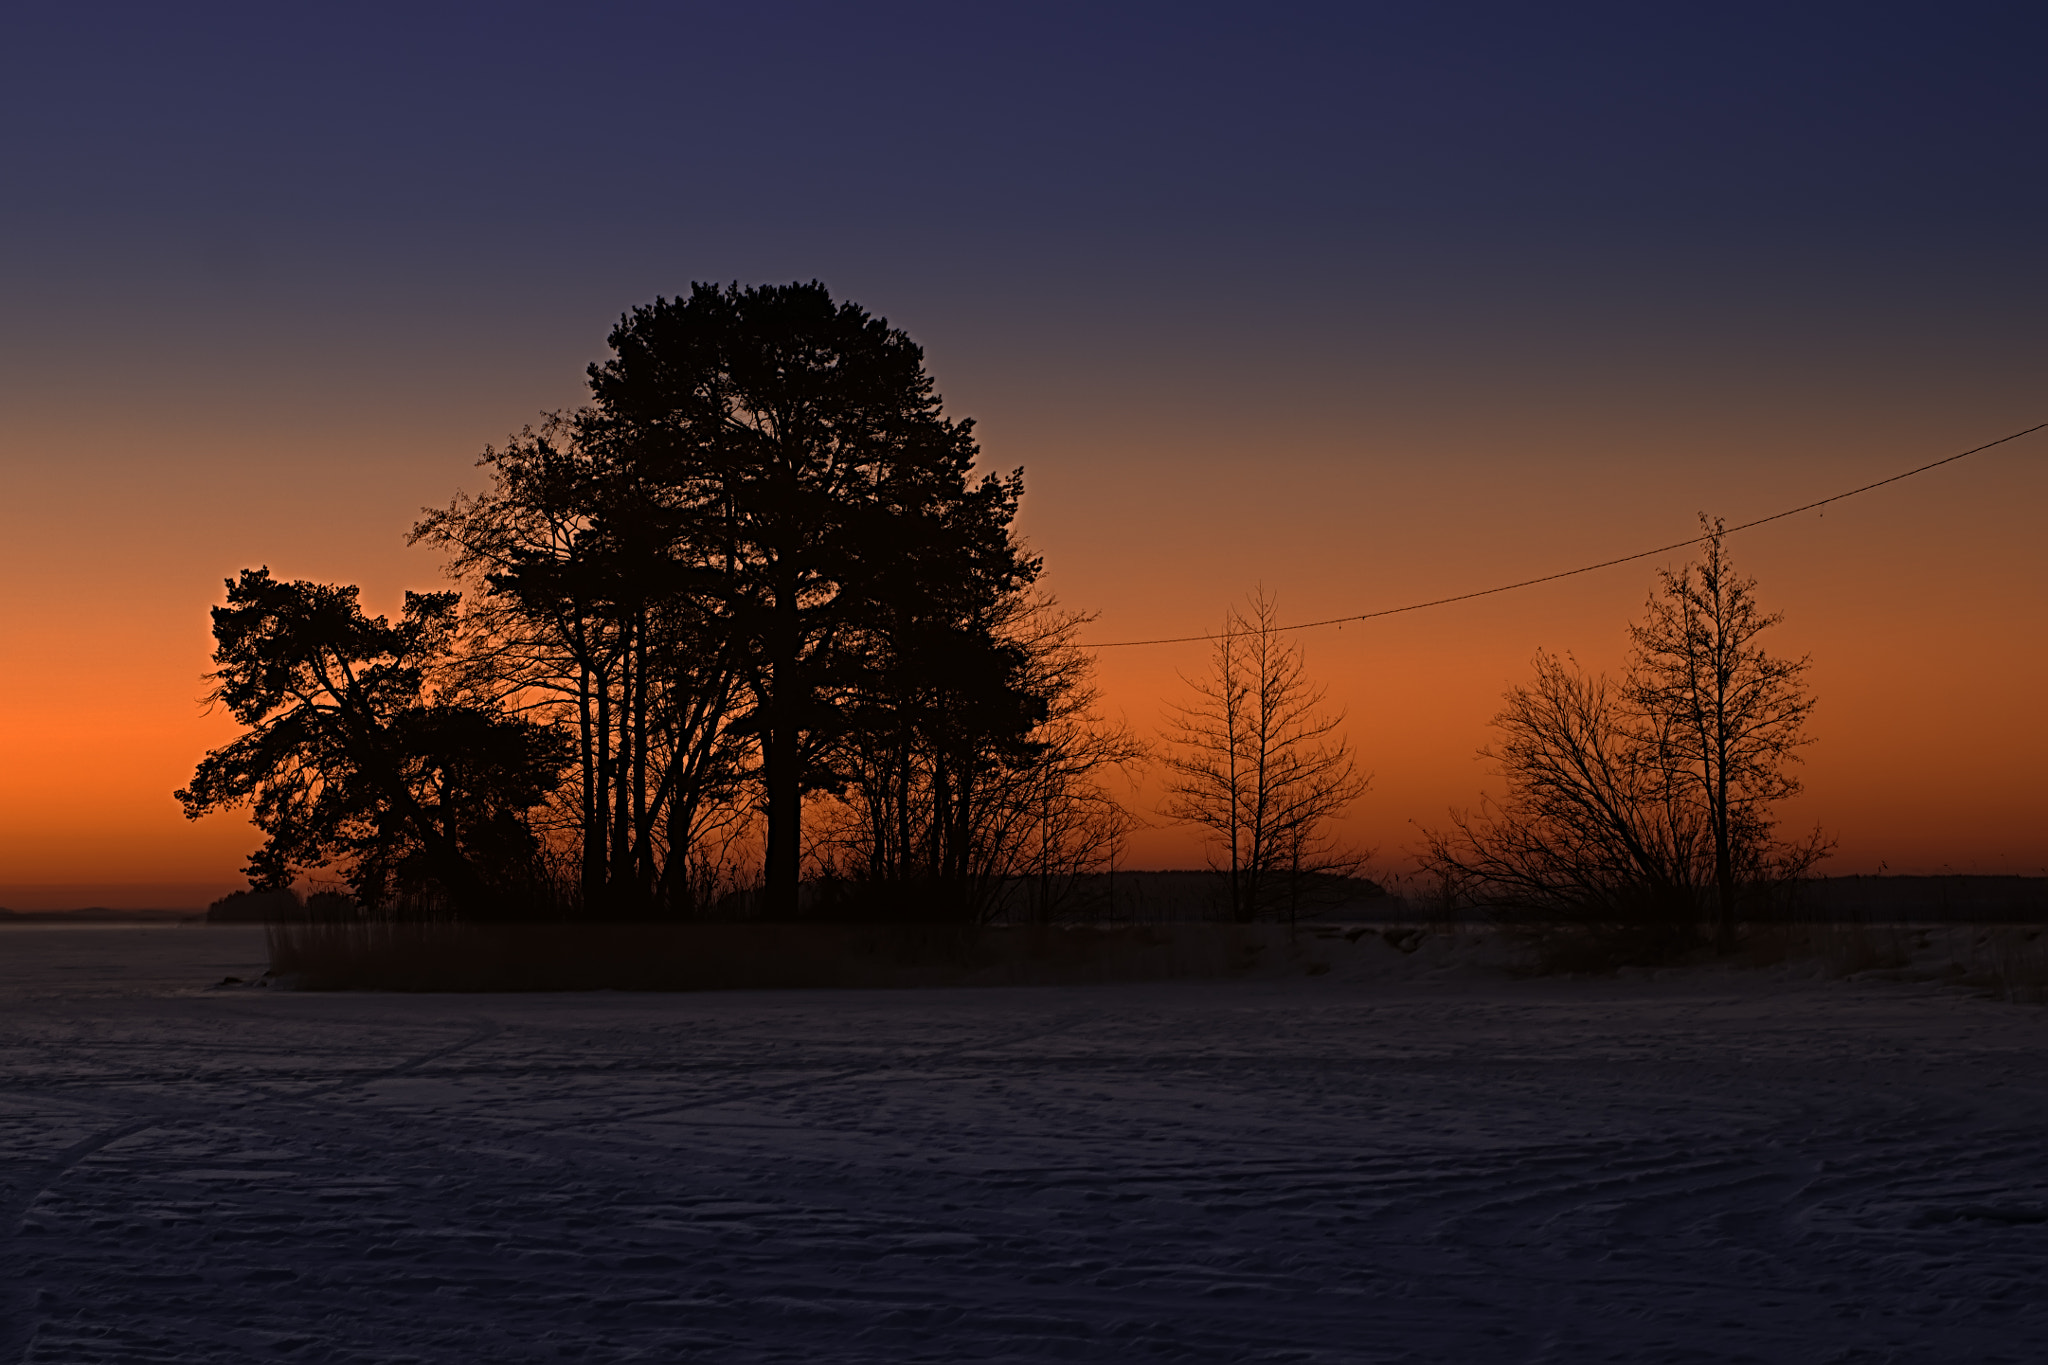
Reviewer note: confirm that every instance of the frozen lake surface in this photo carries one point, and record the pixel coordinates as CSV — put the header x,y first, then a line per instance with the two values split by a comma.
x,y
1445,1165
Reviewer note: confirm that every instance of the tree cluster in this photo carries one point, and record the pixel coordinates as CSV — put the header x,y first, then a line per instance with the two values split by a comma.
x,y
749,622
1646,803
755,578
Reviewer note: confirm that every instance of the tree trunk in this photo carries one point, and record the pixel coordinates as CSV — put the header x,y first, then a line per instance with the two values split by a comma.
x,y
1724,872
643,845
619,882
780,762
606,760
593,826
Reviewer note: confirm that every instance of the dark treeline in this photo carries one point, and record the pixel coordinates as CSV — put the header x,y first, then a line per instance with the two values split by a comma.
x,y
748,615
748,636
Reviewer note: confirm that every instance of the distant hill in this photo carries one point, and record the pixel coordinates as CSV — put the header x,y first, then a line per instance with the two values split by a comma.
x,y
1179,896
1962,898
1201,895
95,914
1869,899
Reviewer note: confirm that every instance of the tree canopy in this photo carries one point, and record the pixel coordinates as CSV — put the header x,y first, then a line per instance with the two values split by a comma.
x,y
813,475
759,570
351,753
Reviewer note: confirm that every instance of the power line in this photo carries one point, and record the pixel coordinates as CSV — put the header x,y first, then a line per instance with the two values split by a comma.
x,y
1589,568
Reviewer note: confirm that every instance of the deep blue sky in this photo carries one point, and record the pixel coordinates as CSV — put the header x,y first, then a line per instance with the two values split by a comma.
x,y
431,203
1163,151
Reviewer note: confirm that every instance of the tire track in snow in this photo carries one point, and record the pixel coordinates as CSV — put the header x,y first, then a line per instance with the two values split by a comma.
x,y
755,1090
1192,1183
18,1320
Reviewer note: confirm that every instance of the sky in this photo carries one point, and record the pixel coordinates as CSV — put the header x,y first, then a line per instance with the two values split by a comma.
x,y
1363,304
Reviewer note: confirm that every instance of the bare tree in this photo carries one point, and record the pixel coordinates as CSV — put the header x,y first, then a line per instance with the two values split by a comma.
x,y
1258,763
1074,824
973,809
1730,718
1644,803
1592,828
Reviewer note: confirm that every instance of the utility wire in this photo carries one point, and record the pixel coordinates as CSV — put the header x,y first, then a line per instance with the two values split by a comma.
x,y
1589,568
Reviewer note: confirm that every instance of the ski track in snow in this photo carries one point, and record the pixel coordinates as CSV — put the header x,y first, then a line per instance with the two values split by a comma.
x,y
1711,1167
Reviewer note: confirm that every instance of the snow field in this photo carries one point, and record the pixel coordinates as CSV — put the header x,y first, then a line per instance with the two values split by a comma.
x,y
1444,1166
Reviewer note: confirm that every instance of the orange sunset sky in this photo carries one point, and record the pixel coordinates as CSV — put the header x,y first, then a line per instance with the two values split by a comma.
x,y
1301,328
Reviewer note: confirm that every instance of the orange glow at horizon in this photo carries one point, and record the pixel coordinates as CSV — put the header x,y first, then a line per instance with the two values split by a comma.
x,y
1921,605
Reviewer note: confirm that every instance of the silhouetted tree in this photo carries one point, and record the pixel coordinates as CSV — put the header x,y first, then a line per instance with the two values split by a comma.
x,y
1060,818
1632,805
805,459
351,753
1593,829
592,614
976,762
758,573
1727,717
1256,762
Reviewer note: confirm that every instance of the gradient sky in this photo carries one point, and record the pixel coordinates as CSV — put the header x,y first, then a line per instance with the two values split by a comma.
x,y
1363,303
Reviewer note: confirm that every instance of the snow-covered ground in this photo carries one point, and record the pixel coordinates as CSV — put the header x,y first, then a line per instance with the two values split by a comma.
x,y
1430,1163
